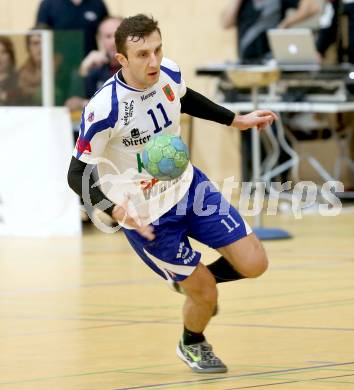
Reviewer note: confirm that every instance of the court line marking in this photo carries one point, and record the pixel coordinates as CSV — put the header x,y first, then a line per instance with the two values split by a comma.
x,y
291,308
123,370
258,311
125,322
292,381
226,378
203,380
132,282
286,327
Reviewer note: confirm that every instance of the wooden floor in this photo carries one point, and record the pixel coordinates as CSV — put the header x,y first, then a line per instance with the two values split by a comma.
x,y
90,315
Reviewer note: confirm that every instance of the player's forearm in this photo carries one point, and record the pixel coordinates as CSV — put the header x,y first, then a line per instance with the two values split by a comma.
x,y
94,196
306,9
229,14
195,104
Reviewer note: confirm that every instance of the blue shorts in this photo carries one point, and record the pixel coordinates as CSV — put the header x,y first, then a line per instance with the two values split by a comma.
x,y
202,214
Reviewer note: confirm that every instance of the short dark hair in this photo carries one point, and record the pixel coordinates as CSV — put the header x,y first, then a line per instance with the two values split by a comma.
x,y
137,27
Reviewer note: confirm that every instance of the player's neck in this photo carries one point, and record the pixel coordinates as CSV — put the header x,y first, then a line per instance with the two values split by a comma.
x,y
131,82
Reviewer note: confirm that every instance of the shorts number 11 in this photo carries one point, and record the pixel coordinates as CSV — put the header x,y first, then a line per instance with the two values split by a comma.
x,y
232,221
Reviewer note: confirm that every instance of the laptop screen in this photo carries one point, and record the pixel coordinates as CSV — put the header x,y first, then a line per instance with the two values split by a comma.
x,y
293,48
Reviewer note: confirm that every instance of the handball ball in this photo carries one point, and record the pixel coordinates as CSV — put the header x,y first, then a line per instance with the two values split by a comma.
x,y
165,157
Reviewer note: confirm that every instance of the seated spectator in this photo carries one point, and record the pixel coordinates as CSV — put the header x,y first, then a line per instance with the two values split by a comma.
x,y
30,73
99,65
8,75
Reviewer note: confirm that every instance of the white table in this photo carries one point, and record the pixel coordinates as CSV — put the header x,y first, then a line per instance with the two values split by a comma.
x,y
316,107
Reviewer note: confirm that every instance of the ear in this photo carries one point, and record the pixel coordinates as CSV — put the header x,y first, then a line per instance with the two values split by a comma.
x,y
122,59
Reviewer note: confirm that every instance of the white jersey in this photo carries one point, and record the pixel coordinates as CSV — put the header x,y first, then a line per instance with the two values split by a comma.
x,y
116,124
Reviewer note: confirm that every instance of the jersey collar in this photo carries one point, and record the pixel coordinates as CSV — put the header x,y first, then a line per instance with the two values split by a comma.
x,y
123,84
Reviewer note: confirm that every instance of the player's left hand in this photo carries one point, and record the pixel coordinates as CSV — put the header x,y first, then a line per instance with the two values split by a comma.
x,y
121,215
259,118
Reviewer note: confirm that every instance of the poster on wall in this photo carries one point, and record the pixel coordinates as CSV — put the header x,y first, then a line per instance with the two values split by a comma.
x,y
35,153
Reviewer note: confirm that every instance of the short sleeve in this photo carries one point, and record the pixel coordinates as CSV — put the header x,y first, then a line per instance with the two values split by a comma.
x,y
97,121
174,72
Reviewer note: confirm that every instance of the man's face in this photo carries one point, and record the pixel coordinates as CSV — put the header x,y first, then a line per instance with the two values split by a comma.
x,y
105,37
141,66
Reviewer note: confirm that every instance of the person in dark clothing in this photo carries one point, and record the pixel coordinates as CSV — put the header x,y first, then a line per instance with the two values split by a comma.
x,y
330,31
75,24
253,18
84,15
349,11
98,66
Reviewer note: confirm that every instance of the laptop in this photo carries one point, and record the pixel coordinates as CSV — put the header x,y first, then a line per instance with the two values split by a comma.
x,y
294,49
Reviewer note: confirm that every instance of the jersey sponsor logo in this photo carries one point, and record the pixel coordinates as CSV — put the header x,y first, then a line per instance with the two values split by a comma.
x,y
128,112
91,116
147,96
140,163
157,187
135,138
147,185
169,92
83,146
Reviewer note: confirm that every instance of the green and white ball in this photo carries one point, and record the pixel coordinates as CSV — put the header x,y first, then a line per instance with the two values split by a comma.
x,y
165,157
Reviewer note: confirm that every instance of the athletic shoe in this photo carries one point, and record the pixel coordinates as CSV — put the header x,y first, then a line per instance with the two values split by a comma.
x,y
200,358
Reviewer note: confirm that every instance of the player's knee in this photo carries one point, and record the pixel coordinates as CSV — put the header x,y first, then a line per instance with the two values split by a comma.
x,y
257,264
206,294
261,264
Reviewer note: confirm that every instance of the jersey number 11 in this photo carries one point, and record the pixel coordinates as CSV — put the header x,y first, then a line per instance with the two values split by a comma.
x,y
167,123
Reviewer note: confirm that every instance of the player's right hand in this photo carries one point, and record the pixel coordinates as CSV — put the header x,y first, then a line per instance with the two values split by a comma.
x,y
120,214
259,119
94,59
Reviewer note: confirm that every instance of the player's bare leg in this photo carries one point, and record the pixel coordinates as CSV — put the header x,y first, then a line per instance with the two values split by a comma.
x,y
247,256
201,300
